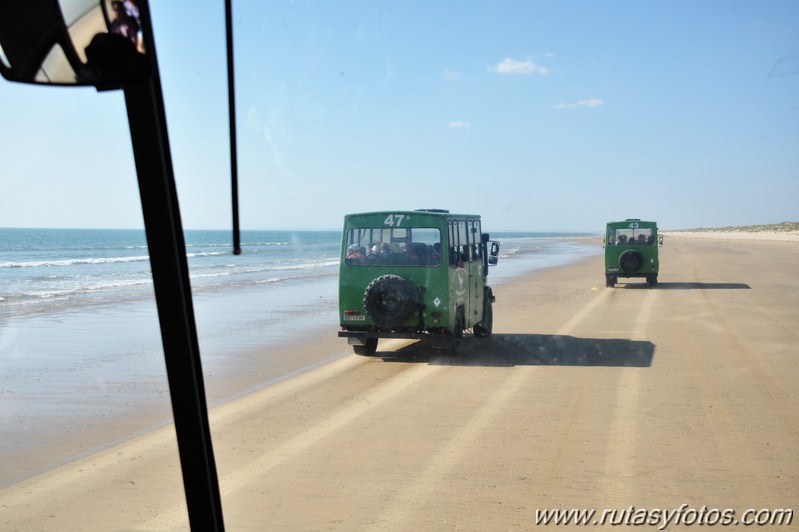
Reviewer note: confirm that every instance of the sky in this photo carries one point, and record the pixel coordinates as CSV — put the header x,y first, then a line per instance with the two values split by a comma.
x,y
537,115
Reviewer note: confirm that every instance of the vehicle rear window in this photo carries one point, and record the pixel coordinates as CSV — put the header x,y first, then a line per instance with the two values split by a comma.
x,y
380,246
622,236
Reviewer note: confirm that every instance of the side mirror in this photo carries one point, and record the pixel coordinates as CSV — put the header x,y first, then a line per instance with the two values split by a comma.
x,y
100,43
493,253
660,240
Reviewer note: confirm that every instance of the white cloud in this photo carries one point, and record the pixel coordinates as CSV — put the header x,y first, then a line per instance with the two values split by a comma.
x,y
451,75
458,123
512,66
590,102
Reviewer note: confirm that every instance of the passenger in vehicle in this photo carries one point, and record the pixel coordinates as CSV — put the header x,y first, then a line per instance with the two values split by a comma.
x,y
373,257
124,24
396,254
378,253
418,254
435,256
355,255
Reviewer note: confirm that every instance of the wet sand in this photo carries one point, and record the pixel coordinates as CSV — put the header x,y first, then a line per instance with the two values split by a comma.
x,y
585,397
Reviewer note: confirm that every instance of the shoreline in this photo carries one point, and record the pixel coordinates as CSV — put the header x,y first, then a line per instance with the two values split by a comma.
x,y
269,367
238,359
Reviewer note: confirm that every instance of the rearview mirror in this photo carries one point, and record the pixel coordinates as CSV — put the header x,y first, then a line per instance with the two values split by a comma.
x,y
493,253
101,43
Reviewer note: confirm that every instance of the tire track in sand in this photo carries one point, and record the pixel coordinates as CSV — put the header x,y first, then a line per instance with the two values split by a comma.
x,y
124,454
620,458
724,431
175,517
780,404
448,455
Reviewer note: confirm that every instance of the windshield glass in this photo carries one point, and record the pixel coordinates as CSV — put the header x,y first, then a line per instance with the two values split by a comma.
x,y
388,376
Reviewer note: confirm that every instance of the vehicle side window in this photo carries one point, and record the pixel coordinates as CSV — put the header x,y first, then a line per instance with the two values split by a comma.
x,y
463,239
454,253
459,242
474,239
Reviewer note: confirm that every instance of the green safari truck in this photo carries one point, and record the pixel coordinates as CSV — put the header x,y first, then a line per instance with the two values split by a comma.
x,y
631,250
414,274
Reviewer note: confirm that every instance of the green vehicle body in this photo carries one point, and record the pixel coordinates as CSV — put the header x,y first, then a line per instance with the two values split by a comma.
x,y
631,250
414,274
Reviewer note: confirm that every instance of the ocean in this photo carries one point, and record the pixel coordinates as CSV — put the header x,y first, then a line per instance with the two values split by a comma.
x,y
79,336
47,271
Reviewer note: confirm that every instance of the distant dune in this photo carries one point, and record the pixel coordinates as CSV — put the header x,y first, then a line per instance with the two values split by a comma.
x,y
779,231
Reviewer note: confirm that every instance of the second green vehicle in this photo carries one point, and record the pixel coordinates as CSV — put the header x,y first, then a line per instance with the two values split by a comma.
x,y
631,250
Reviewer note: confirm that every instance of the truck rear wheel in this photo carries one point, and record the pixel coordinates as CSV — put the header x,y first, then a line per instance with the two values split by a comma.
x,y
457,335
369,349
483,329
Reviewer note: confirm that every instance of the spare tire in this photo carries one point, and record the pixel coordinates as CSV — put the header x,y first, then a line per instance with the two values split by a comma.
x,y
389,300
631,261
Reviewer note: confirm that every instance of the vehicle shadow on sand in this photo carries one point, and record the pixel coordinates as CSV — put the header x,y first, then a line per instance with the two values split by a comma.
x,y
687,286
507,350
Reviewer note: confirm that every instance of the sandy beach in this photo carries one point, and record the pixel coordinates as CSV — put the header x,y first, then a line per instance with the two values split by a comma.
x,y
585,397
785,236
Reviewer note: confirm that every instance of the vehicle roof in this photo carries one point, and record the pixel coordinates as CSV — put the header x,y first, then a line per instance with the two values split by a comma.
x,y
426,212
628,220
